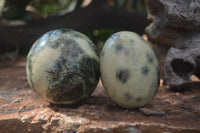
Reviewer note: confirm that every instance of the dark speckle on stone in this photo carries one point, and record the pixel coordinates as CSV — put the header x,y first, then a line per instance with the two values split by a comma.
x,y
56,45
138,99
123,74
58,66
127,52
131,41
63,61
119,47
127,96
145,70
149,58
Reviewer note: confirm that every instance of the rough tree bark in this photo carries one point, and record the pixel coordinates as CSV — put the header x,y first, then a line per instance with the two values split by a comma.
x,y
97,15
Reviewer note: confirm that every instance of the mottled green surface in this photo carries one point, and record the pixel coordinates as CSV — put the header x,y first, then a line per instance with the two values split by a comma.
x,y
129,69
63,66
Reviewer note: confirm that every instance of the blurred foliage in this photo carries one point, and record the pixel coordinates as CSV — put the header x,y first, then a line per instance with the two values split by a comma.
x,y
13,9
131,5
60,7
55,7
99,36
2,3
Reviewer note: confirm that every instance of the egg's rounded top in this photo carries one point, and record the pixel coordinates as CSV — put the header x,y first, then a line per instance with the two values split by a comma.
x,y
64,36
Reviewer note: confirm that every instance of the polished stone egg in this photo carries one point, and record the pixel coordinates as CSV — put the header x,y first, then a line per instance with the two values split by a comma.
x,y
129,70
63,66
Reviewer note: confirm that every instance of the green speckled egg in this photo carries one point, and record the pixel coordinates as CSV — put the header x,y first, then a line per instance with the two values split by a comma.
x,y
63,66
129,70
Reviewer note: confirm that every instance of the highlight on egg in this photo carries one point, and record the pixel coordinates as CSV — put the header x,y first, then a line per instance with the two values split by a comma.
x,y
62,66
129,70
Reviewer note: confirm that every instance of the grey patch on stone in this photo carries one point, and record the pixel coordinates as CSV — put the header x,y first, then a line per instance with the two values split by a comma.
x,y
89,67
145,70
57,43
71,48
139,99
63,85
127,96
65,89
123,74
132,41
126,52
72,64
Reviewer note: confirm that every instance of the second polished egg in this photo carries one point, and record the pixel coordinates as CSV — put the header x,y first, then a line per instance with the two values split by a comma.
x,y
129,70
